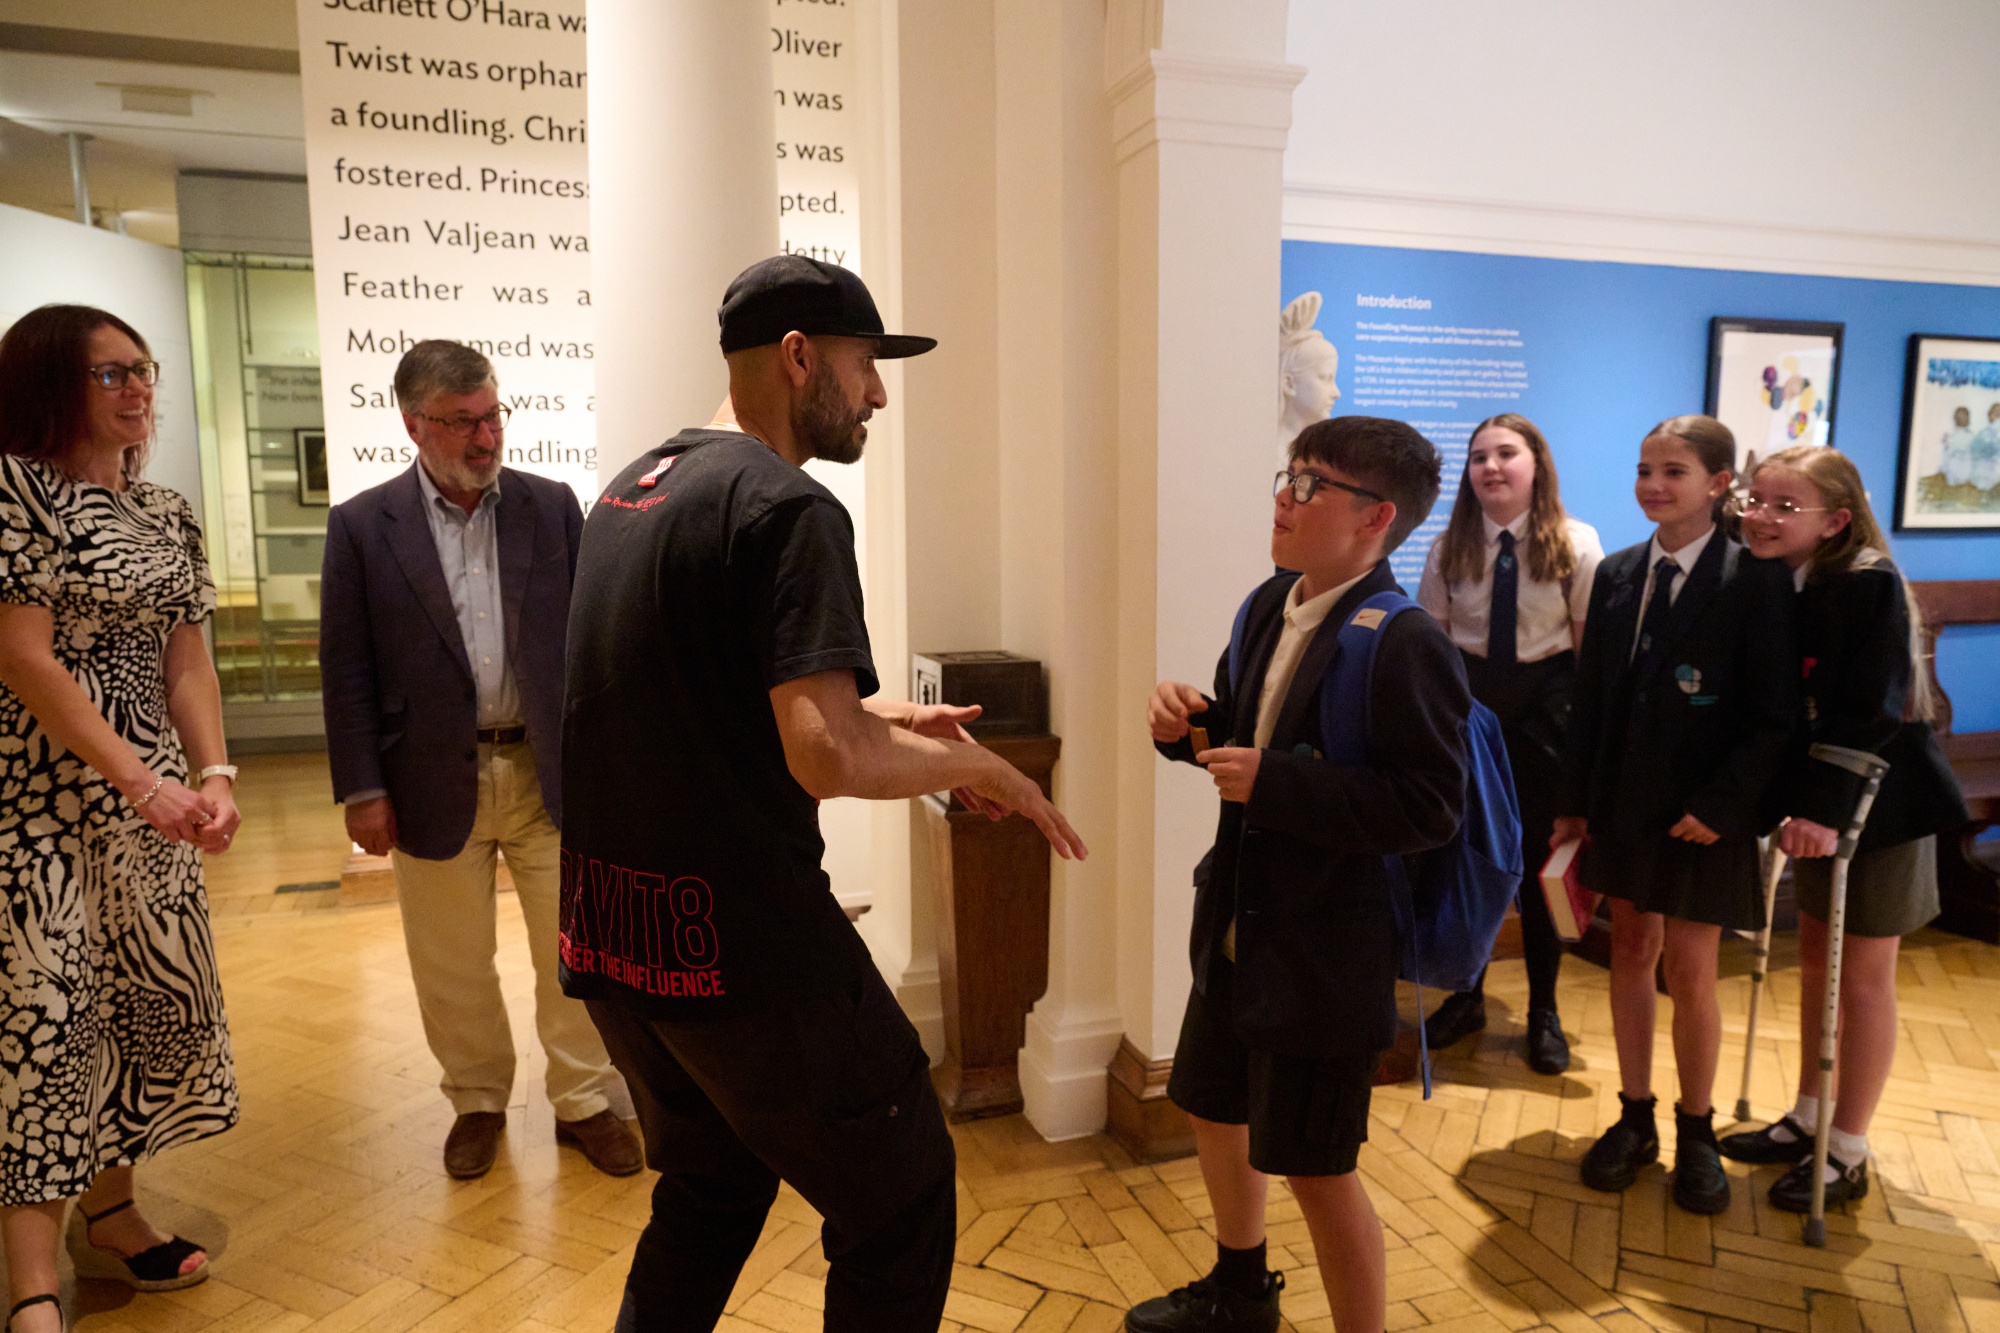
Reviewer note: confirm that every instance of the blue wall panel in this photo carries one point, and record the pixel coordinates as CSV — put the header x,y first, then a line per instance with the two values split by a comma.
x,y
1598,352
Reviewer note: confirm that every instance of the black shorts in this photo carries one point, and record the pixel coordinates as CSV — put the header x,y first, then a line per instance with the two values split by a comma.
x,y
1308,1115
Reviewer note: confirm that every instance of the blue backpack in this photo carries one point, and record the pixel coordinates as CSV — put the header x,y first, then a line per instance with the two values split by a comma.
x,y
1450,900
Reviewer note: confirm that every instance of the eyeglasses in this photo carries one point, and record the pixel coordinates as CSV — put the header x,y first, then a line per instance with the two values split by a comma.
x,y
464,426
1305,485
111,375
1778,509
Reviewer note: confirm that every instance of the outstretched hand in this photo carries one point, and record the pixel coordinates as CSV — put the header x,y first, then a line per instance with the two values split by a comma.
x,y
1008,790
946,722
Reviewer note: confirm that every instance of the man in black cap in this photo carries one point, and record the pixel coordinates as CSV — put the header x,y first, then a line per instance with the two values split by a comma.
x,y
719,687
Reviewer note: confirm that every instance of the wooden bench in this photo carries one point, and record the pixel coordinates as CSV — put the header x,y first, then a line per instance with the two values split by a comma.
x,y
1968,884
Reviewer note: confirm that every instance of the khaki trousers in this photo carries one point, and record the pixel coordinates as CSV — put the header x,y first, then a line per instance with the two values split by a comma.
x,y
449,928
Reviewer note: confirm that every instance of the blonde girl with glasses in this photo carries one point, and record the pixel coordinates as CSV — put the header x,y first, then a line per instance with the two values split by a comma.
x,y
1865,688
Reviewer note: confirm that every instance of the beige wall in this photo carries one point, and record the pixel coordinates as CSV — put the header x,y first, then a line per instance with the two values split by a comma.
x,y
951,292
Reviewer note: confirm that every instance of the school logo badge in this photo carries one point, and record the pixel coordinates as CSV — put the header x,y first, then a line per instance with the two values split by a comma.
x,y
1688,678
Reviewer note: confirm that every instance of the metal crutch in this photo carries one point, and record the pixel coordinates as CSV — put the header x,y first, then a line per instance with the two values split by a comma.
x,y
1869,768
1758,969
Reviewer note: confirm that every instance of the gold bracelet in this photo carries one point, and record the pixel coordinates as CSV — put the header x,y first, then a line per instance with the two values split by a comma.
x,y
158,782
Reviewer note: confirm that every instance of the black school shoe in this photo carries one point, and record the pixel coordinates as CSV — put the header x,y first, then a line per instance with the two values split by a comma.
x,y
1615,1160
1758,1148
1700,1183
1206,1306
1548,1049
1456,1019
1792,1191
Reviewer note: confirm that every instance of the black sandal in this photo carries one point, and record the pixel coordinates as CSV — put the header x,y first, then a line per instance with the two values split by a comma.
x,y
46,1298
156,1269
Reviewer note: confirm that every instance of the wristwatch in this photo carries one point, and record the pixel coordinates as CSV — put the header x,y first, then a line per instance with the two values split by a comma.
x,y
218,771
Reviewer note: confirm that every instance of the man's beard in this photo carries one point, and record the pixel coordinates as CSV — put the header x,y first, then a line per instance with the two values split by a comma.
x,y
462,474
826,424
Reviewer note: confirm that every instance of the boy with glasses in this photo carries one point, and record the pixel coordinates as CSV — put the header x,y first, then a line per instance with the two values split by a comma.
x,y
1294,943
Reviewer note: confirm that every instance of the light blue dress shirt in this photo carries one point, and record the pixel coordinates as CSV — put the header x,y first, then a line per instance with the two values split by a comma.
x,y
468,547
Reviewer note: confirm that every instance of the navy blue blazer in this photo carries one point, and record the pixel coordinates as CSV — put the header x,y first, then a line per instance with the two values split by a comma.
x,y
397,686
1300,867
1854,630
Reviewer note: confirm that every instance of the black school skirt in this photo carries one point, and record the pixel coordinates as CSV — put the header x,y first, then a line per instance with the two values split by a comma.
x,y
1719,885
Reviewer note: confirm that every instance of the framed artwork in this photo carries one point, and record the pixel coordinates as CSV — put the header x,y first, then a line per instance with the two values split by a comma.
x,y
313,487
1773,382
1948,469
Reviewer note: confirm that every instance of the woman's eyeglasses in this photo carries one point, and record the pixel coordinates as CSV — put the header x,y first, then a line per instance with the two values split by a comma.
x,y
112,375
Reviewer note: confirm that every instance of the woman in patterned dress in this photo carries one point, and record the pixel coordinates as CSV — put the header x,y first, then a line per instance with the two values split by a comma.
x,y
113,1043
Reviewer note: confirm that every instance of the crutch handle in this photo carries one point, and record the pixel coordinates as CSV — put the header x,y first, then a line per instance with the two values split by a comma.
x,y
1861,763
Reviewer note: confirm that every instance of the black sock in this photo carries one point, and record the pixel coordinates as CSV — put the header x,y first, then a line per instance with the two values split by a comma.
x,y
1241,1271
1541,949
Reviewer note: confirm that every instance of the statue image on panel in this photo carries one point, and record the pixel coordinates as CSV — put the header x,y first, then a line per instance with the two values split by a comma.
x,y
1307,367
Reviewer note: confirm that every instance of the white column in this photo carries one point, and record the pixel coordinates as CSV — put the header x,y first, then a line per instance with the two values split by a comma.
x,y
1201,105
1056,247
684,196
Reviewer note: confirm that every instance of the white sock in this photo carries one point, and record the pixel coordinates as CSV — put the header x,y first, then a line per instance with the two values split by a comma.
x,y
1805,1114
1851,1149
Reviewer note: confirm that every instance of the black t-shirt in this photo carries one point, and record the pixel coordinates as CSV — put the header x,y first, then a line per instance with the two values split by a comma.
x,y
691,877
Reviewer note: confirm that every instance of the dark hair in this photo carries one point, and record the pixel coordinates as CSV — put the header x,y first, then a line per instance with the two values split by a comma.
x,y
44,392
1551,558
1712,443
1714,447
1388,457
435,366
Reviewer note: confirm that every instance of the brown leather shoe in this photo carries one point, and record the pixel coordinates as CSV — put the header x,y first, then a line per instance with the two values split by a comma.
x,y
473,1143
605,1141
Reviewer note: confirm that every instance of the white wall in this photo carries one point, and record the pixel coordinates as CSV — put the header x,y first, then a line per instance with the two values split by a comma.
x,y
1838,136
49,260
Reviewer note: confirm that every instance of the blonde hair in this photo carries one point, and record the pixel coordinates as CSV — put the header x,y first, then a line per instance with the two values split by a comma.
x,y
1859,545
1550,557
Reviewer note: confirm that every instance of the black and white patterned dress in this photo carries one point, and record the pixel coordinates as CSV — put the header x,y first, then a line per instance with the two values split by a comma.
x,y
113,1042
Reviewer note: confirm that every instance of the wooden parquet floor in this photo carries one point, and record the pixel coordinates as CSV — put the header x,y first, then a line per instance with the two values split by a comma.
x,y
327,1208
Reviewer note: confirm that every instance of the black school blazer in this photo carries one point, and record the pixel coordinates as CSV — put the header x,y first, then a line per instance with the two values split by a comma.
x,y
1316,946
1700,725
1854,631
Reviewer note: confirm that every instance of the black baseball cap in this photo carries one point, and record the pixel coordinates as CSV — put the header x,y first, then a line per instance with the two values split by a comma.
x,y
791,293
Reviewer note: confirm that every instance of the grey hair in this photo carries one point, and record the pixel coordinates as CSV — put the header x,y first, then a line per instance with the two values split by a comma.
x,y
435,366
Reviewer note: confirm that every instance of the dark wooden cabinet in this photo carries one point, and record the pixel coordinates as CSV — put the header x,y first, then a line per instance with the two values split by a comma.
x,y
990,891
1968,873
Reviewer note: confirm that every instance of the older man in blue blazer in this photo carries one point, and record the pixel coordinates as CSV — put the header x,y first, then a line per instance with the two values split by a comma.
x,y
444,600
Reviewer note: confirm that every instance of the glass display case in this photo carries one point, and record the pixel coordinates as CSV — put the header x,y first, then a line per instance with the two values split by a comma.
x,y
263,463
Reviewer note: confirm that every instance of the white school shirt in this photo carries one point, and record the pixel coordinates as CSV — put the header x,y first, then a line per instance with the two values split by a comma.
x,y
1684,562
1302,621
1542,613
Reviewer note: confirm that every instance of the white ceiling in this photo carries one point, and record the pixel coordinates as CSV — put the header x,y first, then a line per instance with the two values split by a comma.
x,y
240,120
